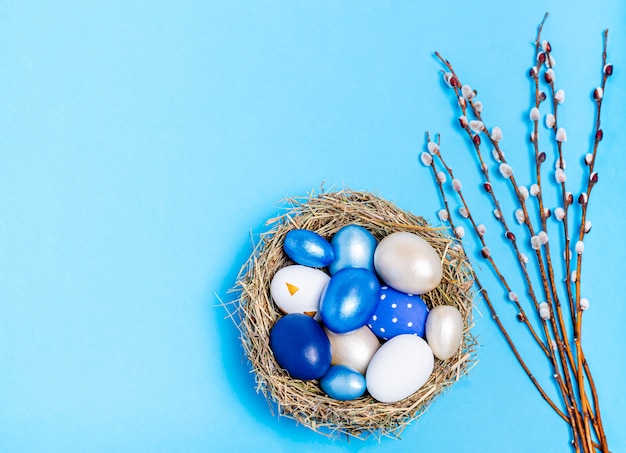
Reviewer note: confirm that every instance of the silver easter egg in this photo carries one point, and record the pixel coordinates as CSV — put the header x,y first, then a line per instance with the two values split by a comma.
x,y
444,331
408,263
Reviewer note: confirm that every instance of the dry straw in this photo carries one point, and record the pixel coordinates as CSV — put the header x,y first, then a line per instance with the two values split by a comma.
x,y
255,313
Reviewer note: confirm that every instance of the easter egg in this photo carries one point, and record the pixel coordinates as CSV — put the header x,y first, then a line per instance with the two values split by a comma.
x,y
444,331
300,346
398,313
297,288
343,383
353,349
308,248
354,247
349,299
408,263
399,368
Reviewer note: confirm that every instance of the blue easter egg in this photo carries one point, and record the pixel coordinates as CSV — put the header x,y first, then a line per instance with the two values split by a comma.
x,y
300,346
354,247
398,313
349,299
308,248
343,383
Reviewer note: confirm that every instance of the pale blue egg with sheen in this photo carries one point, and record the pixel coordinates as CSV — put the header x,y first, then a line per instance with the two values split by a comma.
x,y
349,299
353,246
308,248
343,383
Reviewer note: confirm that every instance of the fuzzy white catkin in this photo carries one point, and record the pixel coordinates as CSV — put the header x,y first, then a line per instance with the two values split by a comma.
x,y
580,247
598,93
506,170
462,102
456,185
524,258
496,134
441,176
476,126
481,229
535,242
467,92
584,303
588,158
534,190
443,215
560,176
559,213
543,237
573,277
534,114
561,135
460,231
478,106
550,120
587,226
550,73
544,311
513,297
496,155
523,191
433,147
551,60
426,158
497,214
519,215
463,212
559,96
560,163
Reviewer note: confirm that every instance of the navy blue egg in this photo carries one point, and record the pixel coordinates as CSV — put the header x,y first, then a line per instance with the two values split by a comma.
x,y
300,346
349,299
398,313
343,383
354,247
308,248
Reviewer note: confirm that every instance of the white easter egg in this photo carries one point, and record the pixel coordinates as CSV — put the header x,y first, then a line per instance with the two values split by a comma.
x,y
297,289
408,263
354,349
399,368
444,331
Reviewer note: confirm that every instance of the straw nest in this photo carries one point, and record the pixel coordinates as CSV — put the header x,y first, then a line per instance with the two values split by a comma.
x,y
255,313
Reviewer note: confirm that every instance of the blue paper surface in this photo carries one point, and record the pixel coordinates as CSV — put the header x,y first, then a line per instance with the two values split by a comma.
x,y
141,144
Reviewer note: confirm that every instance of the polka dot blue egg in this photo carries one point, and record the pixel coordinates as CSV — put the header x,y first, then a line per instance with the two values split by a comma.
x,y
398,313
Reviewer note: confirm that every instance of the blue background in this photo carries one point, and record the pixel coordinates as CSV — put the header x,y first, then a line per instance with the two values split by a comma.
x,y
142,142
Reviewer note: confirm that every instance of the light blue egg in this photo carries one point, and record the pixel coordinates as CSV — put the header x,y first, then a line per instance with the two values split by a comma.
x,y
308,248
349,299
354,246
343,383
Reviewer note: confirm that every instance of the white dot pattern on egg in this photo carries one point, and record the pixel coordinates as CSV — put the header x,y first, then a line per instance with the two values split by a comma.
x,y
398,313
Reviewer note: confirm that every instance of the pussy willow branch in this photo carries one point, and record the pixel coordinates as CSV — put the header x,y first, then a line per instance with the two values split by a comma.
x,y
492,309
560,366
571,370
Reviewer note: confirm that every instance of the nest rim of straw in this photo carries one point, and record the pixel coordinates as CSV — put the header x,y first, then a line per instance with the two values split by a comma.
x,y
254,313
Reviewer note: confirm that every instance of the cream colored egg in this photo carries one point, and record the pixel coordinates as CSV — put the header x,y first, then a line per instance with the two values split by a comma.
x,y
444,331
354,349
399,368
408,263
297,289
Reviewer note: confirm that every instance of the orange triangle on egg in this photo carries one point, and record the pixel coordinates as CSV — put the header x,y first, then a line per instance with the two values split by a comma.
x,y
292,288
